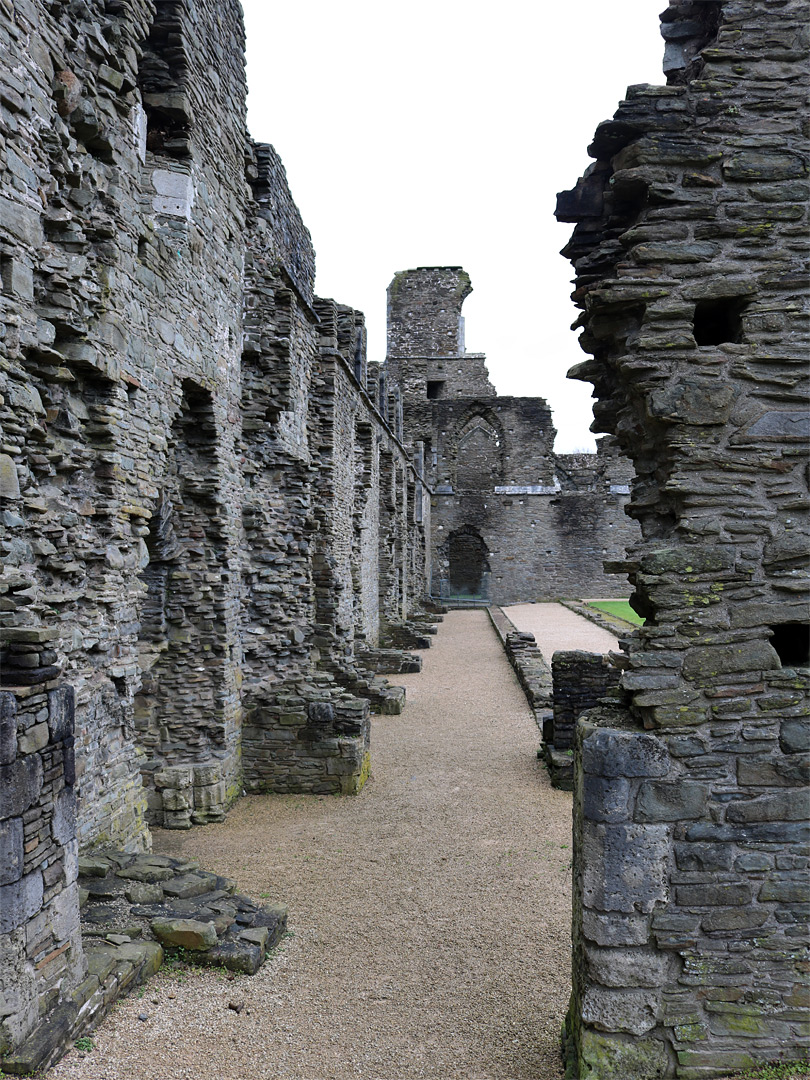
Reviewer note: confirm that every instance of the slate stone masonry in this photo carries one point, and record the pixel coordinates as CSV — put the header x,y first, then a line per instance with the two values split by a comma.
x,y
579,681
691,799
40,941
209,514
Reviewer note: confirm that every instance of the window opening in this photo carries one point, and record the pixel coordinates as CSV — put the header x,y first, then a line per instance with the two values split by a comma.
x,y
792,643
719,321
435,389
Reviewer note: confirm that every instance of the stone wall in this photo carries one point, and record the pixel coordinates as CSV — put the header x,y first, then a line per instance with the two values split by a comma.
x,y
208,511
511,520
41,956
579,681
691,803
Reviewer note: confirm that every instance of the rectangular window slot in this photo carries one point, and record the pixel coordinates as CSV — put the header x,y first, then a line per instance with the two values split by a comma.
x,y
719,321
792,643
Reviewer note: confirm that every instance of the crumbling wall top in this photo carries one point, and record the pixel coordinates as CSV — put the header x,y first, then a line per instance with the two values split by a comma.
x,y
424,311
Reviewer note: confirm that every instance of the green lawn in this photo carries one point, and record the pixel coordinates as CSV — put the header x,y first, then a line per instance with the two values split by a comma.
x,y
620,608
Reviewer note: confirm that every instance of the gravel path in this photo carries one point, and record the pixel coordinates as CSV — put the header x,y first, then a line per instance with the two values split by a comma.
x,y
557,627
430,915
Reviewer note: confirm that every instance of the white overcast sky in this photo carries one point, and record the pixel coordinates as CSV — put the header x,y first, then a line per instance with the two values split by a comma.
x,y
437,133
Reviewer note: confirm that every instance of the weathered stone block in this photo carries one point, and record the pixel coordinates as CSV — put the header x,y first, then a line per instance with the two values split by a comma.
x,y
761,165
632,1011
747,918
20,785
710,661
142,893
615,928
613,753
608,1057
671,801
188,885
703,858
63,824
185,933
628,966
19,901
782,806
786,889
245,957
605,799
693,400
62,713
794,736
34,739
720,894
8,728
625,867
11,850
9,481
145,872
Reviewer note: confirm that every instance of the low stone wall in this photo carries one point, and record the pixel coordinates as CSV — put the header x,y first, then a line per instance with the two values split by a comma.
x,y
580,680
531,669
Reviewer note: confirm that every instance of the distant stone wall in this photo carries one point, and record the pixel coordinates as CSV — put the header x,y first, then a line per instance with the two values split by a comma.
x,y
580,679
511,520
691,808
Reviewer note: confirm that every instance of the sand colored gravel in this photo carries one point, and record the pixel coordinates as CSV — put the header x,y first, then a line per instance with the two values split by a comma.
x,y
430,915
556,627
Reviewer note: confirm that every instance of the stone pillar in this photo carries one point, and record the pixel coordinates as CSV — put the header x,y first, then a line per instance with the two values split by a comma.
x,y
41,958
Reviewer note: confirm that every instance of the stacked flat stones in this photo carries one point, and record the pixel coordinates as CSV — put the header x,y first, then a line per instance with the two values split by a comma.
x,y
175,903
136,909
691,866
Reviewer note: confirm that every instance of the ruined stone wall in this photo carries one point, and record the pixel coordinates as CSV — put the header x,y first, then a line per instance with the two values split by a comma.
x,y
511,520
690,868
580,679
170,541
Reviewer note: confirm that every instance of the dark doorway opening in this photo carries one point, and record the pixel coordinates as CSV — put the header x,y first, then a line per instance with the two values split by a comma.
x,y
469,568
792,643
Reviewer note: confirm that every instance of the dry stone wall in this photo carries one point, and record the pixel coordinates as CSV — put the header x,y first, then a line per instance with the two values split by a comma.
x,y
691,801
511,520
208,514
